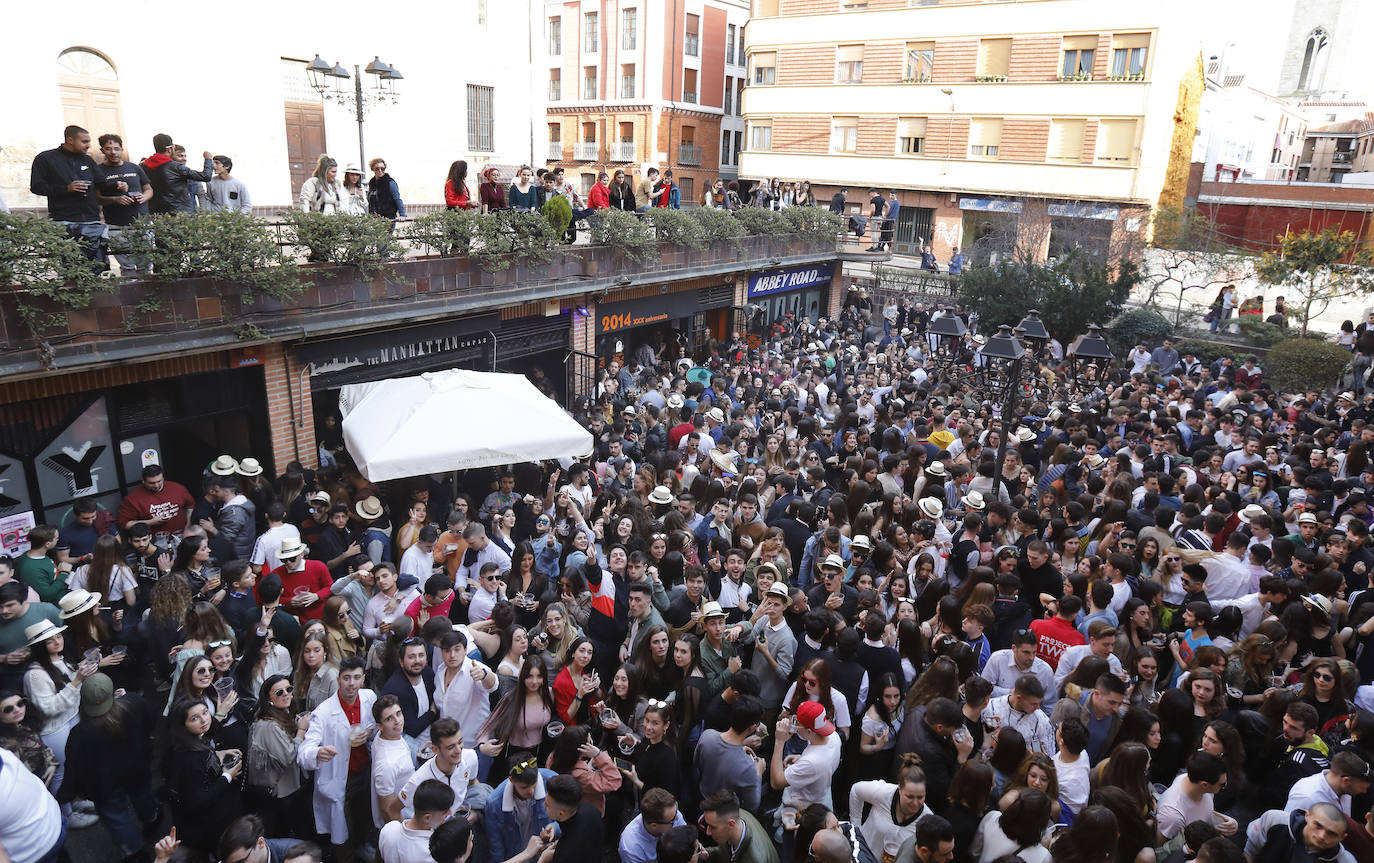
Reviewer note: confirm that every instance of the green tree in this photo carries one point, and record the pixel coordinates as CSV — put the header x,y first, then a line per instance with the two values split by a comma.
x,y
1071,293
1319,267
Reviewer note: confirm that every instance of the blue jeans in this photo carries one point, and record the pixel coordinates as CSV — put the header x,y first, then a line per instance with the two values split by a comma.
x,y
56,851
124,816
91,237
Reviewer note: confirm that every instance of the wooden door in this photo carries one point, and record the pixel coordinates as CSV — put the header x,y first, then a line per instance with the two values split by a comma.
x,y
304,141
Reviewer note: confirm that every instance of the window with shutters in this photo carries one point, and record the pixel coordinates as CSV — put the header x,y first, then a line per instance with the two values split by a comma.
x,y
994,60
1128,56
920,62
589,133
1078,58
844,134
691,43
849,65
911,136
729,43
760,135
591,39
627,81
629,29
555,85
725,147
480,100
555,36
765,67
689,85
555,133
589,88
984,137
729,94
1066,140
1116,141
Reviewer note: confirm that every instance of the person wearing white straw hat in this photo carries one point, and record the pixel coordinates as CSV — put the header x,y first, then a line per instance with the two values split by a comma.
x,y
53,687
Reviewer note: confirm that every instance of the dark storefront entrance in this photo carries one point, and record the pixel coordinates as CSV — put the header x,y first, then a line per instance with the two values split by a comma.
x,y
93,444
679,325
776,295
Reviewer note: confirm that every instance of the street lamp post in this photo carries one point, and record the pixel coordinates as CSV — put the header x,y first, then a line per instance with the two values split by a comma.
x,y
1003,359
328,82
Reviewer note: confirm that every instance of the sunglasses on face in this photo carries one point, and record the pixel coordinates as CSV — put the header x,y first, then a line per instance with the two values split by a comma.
x,y
287,690
16,706
1320,676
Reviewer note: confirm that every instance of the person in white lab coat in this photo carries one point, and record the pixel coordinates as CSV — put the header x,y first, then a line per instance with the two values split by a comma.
x,y
339,726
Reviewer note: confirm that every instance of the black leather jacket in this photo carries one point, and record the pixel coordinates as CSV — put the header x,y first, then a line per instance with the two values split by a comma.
x,y
171,181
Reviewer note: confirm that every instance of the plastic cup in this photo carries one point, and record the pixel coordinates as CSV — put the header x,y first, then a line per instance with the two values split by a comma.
x,y
628,743
555,728
120,649
609,715
91,655
788,816
223,687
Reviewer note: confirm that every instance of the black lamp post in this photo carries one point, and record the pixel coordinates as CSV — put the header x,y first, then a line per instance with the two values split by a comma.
x,y
949,330
1036,335
328,81
1000,365
1090,360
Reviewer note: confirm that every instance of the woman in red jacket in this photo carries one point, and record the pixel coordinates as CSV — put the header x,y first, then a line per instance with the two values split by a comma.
x,y
456,187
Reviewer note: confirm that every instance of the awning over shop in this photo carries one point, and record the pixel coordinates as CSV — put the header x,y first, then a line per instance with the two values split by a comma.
x,y
454,420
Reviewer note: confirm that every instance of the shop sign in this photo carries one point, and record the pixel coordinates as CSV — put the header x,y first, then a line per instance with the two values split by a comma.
x,y
628,314
990,205
764,284
393,346
1085,211
14,533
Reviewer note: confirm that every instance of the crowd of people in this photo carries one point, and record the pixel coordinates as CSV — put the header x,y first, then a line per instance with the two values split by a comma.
x,y
830,605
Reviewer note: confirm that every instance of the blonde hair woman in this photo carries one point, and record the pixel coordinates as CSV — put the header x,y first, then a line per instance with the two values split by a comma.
x,y
322,192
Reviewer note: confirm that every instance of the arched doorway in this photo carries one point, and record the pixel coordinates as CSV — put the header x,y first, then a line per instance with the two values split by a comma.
x,y
89,86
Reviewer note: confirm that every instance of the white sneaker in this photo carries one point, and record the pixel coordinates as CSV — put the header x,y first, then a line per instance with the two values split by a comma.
x,y
82,820
83,806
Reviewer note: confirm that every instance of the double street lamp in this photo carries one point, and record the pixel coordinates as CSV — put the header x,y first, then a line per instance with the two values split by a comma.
x,y
329,80
1005,367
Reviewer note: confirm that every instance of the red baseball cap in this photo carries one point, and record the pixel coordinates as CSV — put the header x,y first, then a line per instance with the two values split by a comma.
x,y
812,715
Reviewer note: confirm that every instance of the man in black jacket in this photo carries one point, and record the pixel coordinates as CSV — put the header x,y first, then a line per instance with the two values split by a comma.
x,y
67,177
406,684
929,731
171,180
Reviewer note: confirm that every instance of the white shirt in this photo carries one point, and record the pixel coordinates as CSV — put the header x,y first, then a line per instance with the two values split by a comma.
x,y
879,828
269,543
990,842
30,820
1252,611
1177,809
464,773
418,563
121,579
463,699
392,765
1074,784
1315,789
809,777
1035,726
400,844
1076,654
1001,672
1228,577
479,608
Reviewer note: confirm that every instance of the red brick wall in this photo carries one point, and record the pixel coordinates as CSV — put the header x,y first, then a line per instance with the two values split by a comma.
x,y
806,64
955,60
711,78
947,137
883,63
1024,139
293,437
1035,58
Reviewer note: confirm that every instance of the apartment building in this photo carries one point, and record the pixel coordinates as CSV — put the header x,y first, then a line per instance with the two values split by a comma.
x,y
1336,149
646,83
1039,125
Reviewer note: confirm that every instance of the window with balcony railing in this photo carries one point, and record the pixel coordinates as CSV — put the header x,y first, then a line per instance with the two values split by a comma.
x,y
627,82
689,85
555,36
589,88
555,153
689,154
629,29
585,151
622,151
555,85
691,43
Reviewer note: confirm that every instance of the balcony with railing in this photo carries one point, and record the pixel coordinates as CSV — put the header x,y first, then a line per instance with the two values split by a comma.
x,y
555,153
622,151
689,96
1342,157
692,45
586,151
689,154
